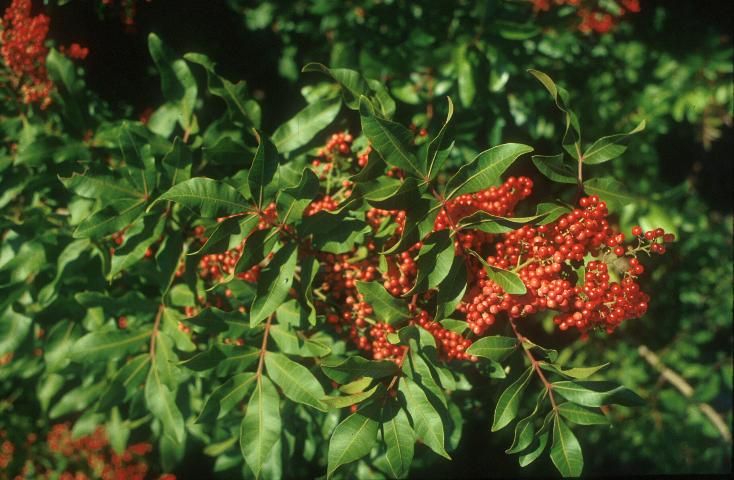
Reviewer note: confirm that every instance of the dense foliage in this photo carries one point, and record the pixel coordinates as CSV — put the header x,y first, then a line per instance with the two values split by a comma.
x,y
376,270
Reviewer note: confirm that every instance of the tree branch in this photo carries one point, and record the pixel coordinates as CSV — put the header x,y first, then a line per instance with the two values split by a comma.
x,y
156,326
685,389
536,367
264,346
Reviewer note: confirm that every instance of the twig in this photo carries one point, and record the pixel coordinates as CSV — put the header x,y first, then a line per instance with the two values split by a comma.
x,y
263,347
579,173
685,389
536,367
156,326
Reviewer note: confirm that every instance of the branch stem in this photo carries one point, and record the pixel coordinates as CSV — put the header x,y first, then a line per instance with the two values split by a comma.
x,y
685,389
263,347
536,366
156,327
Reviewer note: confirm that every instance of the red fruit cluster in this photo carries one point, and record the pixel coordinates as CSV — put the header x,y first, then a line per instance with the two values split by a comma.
x,y
593,18
540,256
499,201
338,144
86,457
451,345
24,53
402,271
75,51
324,203
215,266
364,157
599,303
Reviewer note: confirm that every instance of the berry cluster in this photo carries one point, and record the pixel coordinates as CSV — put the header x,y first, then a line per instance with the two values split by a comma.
x,y
75,51
543,256
451,345
64,457
24,53
338,144
599,303
215,266
593,18
326,203
575,266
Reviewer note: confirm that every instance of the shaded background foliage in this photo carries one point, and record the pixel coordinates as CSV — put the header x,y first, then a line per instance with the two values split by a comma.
x,y
669,64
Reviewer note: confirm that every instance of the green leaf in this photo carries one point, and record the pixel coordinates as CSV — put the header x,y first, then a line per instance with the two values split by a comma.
x,y
164,362
177,82
309,270
177,162
102,346
103,188
292,202
274,283
509,281
258,246
610,147
399,439
419,222
509,402
427,421
62,72
486,222
292,343
398,196
240,107
525,430
14,328
596,393
205,360
302,128
417,368
572,135
263,168
343,371
334,233
575,372
353,86
485,169
495,348
225,397
386,307
261,427
208,198
465,75
125,383
581,415
228,234
391,140
141,235
609,190
537,449
110,219
352,439
451,289
434,262
551,212
565,450
296,381
555,168
435,154
350,399
162,404
356,386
